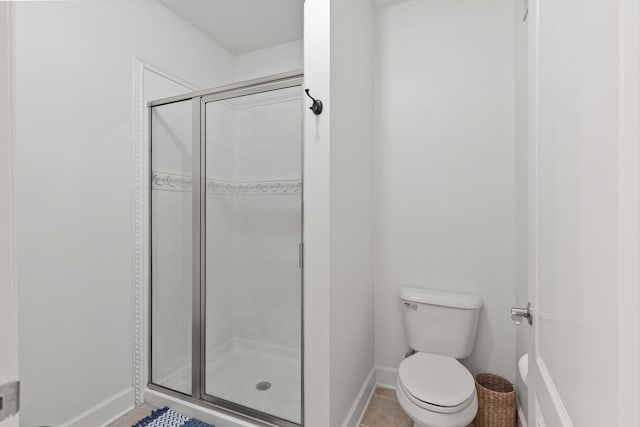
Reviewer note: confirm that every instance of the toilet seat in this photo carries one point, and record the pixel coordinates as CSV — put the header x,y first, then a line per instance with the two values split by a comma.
x,y
436,383
425,418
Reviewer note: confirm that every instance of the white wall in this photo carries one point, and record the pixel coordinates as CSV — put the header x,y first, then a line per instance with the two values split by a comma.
x,y
338,323
317,31
272,60
444,167
74,176
78,84
351,110
8,309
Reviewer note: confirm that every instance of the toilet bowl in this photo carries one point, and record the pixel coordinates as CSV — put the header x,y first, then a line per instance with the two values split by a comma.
x,y
433,387
436,391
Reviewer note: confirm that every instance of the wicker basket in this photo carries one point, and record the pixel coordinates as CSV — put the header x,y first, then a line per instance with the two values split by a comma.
x,y
496,402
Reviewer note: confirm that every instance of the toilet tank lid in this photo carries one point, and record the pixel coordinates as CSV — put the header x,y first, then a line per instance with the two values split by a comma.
x,y
443,298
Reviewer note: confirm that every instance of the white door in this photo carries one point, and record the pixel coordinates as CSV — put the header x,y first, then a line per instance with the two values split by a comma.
x,y
583,232
8,303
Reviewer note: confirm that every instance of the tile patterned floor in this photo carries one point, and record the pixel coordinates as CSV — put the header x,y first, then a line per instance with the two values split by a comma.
x,y
133,416
384,411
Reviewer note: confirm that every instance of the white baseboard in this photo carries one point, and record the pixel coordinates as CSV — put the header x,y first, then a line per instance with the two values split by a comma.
x,y
106,411
522,419
355,414
386,377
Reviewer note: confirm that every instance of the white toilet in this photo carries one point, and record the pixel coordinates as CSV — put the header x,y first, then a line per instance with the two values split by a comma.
x,y
433,388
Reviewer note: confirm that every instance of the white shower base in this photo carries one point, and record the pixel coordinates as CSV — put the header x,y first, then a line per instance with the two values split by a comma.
x,y
237,366
234,370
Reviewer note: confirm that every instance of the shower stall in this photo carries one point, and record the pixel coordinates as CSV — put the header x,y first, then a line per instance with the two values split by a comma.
x,y
226,248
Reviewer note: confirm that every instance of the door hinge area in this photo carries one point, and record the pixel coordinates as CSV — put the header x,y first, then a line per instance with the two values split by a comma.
x,y
301,255
518,314
9,399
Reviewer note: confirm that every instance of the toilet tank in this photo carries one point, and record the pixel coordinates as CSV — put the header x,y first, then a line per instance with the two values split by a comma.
x,y
440,322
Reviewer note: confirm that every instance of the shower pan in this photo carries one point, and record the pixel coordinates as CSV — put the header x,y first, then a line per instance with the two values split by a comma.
x,y
225,243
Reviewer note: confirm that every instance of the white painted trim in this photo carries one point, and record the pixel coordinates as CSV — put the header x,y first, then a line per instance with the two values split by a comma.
x,y
104,412
546,381
539,417
140,287
386,377
629,212
8,283
522,419
532,192
359,406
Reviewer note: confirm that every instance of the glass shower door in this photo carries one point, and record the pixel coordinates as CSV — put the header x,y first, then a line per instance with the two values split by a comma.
x,y
171,245
225,242
253,280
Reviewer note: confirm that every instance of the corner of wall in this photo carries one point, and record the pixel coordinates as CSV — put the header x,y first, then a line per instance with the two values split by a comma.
x,y
359,406
351,200
317,393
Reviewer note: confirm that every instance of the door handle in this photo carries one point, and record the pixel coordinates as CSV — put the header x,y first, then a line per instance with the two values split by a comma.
x,y
517,314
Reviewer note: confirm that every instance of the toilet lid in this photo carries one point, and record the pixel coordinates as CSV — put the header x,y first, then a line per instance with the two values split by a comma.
x,y
438,380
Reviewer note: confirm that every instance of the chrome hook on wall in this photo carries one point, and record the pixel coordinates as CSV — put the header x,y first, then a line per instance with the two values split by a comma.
x,y
316,107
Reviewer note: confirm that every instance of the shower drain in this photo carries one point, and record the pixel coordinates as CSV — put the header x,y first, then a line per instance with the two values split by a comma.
x,y
264,385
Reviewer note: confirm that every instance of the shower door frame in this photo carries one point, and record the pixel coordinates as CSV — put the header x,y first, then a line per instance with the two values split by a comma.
x,y
199,99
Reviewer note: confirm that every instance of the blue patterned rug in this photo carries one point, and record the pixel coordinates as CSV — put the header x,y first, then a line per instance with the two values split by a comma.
x,y
166,417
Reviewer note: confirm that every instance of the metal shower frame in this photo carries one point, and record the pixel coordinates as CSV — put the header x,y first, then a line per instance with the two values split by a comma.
x,y
199,99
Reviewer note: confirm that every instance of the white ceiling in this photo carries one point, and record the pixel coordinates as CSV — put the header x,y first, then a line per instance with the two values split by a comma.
x,y
242,26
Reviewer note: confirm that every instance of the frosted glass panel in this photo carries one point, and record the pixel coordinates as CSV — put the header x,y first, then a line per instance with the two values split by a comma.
x,y
253,231
171,250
